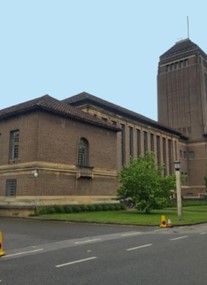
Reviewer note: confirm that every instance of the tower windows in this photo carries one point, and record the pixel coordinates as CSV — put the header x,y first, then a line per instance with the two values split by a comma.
x,y
177,65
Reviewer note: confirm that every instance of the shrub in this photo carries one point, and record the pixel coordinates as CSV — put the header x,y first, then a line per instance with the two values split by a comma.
x,y
42,210
50,210
98,207
68,209
91,207
59,209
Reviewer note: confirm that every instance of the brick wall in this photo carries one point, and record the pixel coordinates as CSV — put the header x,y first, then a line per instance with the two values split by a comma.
x,y
48,143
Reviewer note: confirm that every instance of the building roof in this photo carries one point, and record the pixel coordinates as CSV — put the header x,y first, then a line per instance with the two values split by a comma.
x,y
49,104
182,47
88,99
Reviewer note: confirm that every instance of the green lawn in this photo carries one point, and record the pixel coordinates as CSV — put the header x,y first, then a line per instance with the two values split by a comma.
x,y
191,214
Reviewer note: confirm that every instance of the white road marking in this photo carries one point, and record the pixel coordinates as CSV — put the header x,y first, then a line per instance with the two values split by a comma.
x,y
138,247
130,234
74,262
179,238
23,252
87,241
203,233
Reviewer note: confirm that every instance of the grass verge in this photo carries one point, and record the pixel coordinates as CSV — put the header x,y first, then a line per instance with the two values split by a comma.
x,y
191,215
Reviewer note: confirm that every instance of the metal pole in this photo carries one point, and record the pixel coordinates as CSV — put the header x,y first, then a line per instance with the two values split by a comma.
x,y
179,199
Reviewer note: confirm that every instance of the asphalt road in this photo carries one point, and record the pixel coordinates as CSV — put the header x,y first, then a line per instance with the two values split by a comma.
x,y
39,252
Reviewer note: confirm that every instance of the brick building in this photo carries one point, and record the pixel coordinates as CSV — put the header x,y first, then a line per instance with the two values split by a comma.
x,y
54,153
182,105
139,134
70,151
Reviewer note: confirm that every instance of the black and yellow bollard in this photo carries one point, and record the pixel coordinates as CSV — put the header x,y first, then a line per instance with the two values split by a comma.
x,y
1,245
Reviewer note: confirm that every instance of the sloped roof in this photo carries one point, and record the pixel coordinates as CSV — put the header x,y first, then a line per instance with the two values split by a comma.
x,y
49,104
181,47
86,98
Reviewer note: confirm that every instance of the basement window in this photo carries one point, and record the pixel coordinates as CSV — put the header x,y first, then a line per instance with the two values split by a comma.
x,y
11,187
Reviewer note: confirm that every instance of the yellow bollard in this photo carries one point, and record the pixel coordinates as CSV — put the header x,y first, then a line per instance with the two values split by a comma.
x,y
163,222
1,245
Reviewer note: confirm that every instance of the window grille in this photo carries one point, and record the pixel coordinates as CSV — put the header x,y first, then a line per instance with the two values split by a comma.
x,y
11,187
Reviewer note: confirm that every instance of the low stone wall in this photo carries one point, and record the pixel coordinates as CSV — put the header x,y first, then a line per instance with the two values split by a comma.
x,y
16,211
25,206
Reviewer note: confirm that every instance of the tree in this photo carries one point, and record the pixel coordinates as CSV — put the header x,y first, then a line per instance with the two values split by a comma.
x,y
143,182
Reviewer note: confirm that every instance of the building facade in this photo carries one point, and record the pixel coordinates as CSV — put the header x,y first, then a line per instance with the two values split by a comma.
x,y
140,135
51,153
182,105
70,151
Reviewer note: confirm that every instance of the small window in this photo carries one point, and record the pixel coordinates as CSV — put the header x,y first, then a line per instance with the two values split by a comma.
x,y
14,145
83,150
11,187
191,154
189,130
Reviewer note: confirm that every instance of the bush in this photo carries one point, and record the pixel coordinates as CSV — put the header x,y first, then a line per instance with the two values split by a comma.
x,y
42,210
68,209
91,207
59,209
50,210
98,207
76,208
83,208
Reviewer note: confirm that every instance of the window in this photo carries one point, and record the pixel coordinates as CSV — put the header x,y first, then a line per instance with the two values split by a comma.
x,y
185,62
123,144
152,142
131,142
83,150
14,145
191,154
164,155
158,150
138,143
11,187
171,169
189,130
145,142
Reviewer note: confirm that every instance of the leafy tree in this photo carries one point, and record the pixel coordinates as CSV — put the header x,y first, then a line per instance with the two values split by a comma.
x,y
143,182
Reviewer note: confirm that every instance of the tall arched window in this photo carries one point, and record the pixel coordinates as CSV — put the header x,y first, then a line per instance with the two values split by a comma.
x,y
83,152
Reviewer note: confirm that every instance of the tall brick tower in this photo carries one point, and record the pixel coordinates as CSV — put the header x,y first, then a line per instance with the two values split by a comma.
x,y
182,89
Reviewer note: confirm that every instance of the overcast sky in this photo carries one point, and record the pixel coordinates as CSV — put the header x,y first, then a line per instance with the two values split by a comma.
x,y
108,48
